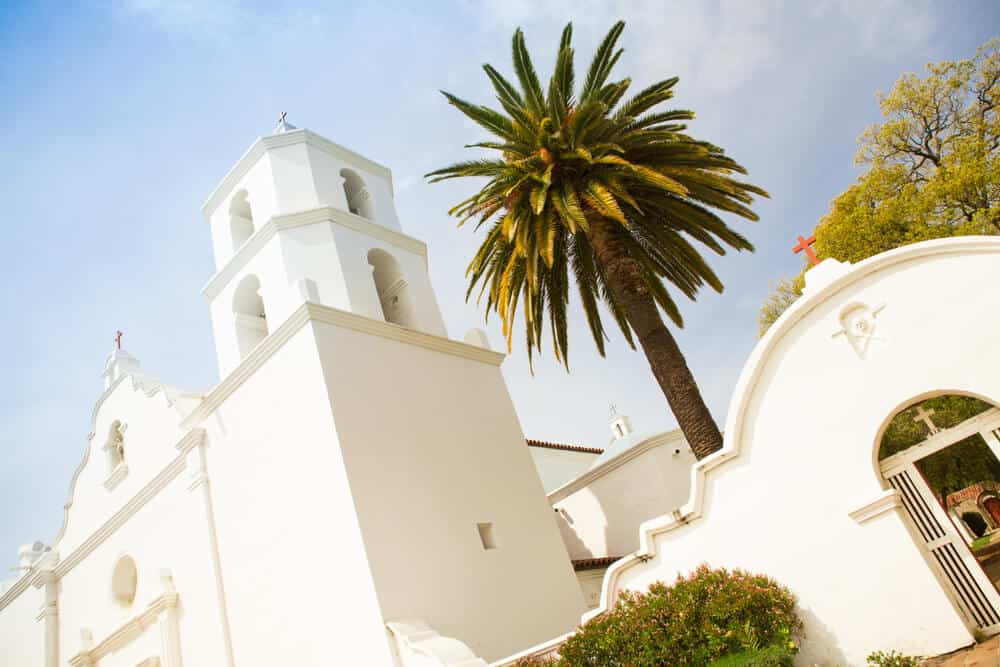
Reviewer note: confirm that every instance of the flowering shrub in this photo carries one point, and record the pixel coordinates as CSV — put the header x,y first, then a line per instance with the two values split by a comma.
x,y
702,617
891,659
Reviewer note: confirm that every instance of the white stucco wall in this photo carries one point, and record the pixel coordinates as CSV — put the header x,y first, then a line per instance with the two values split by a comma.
x,y
22,638
557,466
800,454
433,447
599,513
289,542
590,584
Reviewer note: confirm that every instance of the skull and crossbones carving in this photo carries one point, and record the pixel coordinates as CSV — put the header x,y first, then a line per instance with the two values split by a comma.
x,y
858,324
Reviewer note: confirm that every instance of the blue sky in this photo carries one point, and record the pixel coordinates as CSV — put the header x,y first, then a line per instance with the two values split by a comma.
x,y
121,117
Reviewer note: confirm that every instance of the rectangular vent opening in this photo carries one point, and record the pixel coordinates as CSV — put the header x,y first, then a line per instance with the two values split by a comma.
x,y
487,535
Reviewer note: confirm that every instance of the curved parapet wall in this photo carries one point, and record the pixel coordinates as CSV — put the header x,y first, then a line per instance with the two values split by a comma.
x,y
417,644
795,492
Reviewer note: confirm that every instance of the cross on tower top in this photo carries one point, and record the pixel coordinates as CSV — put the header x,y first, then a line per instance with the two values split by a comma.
x,y
806,244
281,119
118,339
925,417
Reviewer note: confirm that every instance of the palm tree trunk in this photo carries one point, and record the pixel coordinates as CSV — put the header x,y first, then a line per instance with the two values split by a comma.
x,y
624,277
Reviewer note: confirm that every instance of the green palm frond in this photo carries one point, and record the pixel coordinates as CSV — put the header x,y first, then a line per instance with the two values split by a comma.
x,y
569,158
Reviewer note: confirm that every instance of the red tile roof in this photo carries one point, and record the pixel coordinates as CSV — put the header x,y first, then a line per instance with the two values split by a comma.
x,y
565,448
593,563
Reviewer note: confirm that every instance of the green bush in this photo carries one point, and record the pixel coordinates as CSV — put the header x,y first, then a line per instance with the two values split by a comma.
x,y
779,655
891,659
539,662
700,618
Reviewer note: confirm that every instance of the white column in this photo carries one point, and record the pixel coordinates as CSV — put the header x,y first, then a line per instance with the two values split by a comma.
x,y
170,634
962,528
198,461
49,614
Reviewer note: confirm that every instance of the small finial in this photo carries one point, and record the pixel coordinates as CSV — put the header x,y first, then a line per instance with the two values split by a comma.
x,y
283,124
118,340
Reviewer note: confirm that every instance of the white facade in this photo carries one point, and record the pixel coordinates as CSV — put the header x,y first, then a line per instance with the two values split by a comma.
x,y
798,493
321,505
636,479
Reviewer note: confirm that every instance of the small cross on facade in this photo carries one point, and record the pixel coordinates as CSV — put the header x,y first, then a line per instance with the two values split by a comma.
x,y
118,339
925,417
806,244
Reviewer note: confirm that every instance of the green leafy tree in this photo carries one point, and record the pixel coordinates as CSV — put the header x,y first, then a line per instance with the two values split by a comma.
x,y
932,167
606,191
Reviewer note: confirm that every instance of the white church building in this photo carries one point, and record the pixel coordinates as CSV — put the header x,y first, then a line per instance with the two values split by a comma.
x,y
357,489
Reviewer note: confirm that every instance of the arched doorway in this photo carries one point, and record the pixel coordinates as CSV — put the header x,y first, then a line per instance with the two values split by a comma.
x,y
941,454
992,507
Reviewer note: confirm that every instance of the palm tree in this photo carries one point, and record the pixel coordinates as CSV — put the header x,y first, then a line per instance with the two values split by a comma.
x,y
605,187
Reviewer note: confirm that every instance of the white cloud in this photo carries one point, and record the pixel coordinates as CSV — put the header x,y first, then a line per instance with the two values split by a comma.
x,y
721,45
887,27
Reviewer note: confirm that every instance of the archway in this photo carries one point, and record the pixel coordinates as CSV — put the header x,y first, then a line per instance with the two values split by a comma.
x,y
249,314
941,454
240,219
992,507
359,200
392,289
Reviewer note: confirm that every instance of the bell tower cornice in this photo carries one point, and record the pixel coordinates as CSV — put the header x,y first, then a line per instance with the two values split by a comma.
x,y
325,214
289,138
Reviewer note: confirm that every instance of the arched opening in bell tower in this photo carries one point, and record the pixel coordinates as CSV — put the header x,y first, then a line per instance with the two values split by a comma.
x,y
249,315
359,200
393,292
240,219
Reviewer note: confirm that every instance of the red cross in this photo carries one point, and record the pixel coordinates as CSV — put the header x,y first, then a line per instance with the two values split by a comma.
x,y
118,339
806,244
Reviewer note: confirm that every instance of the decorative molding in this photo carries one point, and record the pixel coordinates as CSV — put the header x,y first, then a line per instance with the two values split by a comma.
x,y
151,388
313,216
884,502
116,476
263,144
308,312
126,632
129,509
859,324
614,463
360,323
746,386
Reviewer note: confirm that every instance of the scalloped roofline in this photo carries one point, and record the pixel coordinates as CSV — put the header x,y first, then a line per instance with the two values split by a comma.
x,y
151,387
745,389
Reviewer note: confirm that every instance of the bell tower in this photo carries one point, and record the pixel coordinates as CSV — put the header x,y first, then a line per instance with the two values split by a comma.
x,y
301,219
347,423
